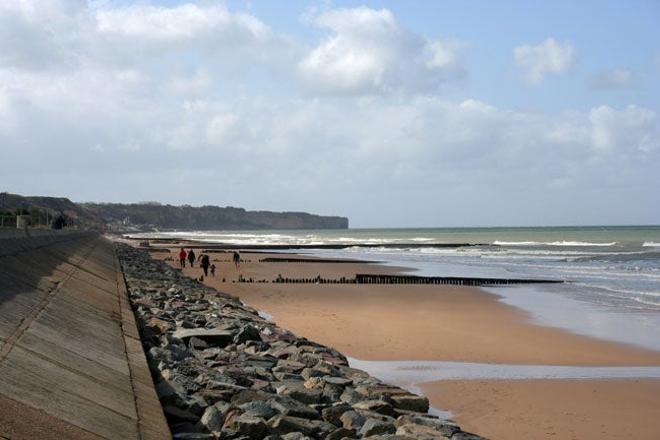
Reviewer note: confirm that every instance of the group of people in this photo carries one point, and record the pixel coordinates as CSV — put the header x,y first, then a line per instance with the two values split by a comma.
x,y
204,261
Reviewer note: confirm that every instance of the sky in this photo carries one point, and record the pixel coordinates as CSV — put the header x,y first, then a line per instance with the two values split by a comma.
x,y
392,113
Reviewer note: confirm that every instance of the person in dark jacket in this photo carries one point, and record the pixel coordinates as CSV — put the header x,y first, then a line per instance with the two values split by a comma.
x,y
205,263
191,258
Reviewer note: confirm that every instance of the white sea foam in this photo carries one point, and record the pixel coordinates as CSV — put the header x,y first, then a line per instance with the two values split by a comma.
x,y
416,372
645,301
629,292
651,244
517,243
551,243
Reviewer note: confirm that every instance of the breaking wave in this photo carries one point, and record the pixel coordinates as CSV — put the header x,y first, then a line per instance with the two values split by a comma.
x,y
551,243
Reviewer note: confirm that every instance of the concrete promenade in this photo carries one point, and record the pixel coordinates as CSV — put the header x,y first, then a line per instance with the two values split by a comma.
x,y
71,362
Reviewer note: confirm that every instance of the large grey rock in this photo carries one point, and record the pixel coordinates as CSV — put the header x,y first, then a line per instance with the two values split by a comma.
x,y
169,390
285,376
350,396
352,373
212,419
377,427
285,424
306,396
253,427
295,436
332,393
466,436
378,406
215,337
389,437
410,402
338,381
308,373
421,432
352,420
333,414
294,408
446,427
262,409
192,436
340,433
247,333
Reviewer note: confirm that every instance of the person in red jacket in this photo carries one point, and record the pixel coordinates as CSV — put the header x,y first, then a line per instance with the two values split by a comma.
x,y
182,257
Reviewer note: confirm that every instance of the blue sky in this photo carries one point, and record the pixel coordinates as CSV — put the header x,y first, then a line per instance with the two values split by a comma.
x,y
607,35
393,113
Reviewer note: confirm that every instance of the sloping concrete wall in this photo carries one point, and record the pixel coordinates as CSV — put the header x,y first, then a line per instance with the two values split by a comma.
x,y
71,362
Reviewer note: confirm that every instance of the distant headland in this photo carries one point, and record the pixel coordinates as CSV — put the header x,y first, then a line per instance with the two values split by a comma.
x,y
149,216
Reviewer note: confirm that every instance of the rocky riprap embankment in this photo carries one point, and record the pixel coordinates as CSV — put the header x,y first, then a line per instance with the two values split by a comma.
x,y
222,371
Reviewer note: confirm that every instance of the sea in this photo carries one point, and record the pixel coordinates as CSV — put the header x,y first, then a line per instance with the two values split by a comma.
x,y
612,273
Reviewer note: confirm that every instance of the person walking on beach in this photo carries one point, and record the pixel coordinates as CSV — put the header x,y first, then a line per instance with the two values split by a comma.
x,y
205,263
191,258
237,259
213,270
182,257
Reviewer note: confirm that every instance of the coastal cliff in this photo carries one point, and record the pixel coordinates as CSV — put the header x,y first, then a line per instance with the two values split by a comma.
x,y
153,215
156,216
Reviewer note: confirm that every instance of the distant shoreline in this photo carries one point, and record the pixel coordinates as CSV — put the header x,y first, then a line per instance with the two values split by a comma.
x,y
198,244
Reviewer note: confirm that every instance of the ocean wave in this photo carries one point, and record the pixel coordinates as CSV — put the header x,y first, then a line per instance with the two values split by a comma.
x,y
550,243
645,301
650,244
628,292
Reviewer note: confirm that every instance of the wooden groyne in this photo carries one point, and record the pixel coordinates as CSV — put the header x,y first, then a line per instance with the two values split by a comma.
x,y
316,260
405,279
454,281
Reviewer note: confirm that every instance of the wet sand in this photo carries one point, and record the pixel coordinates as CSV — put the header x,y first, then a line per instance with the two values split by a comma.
x,y
404,322
553,409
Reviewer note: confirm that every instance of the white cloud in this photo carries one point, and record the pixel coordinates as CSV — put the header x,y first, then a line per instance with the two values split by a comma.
x,y
180,23
195,83
42,34
633,129
60,35
219,128
548,57
612,80
7,121
444,56
368,51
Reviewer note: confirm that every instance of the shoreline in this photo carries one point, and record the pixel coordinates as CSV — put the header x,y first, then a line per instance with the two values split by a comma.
x,y
429,323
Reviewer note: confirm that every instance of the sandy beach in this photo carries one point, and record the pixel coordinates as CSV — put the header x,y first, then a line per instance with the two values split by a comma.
x,y
553,409
404,322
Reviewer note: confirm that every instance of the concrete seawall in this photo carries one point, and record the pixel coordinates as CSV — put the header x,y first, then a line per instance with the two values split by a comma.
x,y
71,361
